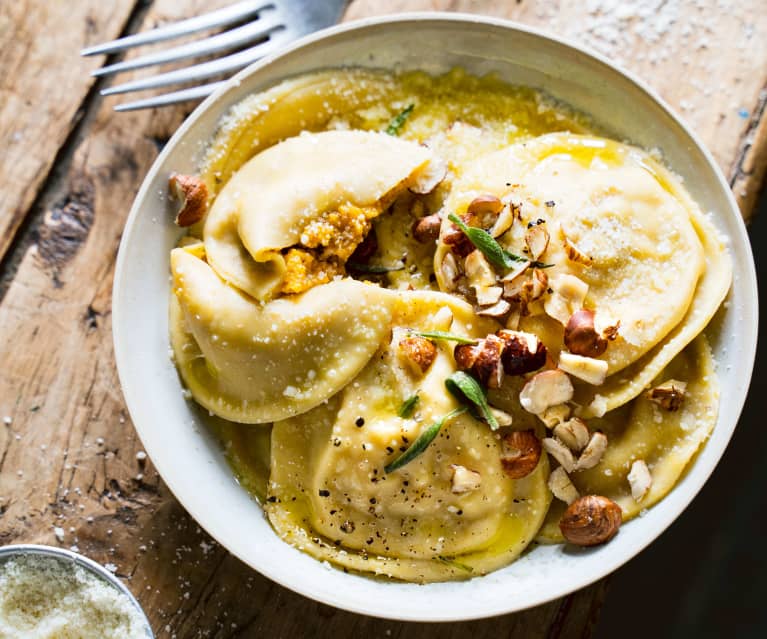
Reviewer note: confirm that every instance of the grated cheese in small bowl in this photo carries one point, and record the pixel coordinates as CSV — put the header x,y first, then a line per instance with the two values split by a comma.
x,y
49,593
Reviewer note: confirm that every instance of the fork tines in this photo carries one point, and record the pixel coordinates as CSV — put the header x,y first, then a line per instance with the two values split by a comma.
x,y
262,22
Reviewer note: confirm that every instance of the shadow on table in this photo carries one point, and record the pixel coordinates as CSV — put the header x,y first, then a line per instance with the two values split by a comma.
x,y
706,576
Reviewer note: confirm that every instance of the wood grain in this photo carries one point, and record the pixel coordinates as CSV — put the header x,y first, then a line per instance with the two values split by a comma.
x,y
69,471
43,85
707,59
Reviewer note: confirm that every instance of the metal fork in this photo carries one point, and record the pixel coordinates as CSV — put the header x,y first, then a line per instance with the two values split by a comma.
x,y
272,23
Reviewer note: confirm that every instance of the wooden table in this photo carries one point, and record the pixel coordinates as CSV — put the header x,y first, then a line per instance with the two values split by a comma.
x,y
72,471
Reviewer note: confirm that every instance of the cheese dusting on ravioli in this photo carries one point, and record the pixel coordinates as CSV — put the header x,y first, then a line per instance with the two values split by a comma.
x,y
438,318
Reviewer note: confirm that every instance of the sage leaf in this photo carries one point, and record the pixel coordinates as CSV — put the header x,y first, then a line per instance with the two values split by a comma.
x,y
375,269
487,245
408,406
422,441
398,121
444,335
462,385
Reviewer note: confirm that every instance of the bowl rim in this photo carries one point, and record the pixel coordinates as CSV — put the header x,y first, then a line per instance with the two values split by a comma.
x,y
93,567
749,329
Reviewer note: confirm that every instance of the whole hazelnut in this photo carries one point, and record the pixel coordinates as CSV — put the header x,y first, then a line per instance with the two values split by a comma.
x,y
591,520
426,229
521,453
581,338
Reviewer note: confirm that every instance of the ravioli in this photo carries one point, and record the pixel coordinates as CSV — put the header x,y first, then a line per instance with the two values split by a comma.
x,y
666,442
657,265
294,296
330,496
254,363
308,191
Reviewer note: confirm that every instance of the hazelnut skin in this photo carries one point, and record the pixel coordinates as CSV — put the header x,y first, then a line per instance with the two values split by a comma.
x,y
591,520
581,338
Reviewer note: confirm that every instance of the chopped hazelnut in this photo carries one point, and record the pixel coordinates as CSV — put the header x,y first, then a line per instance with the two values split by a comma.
x,y
522,352
506,351
429,177
539,283
590,370
418,352
192,192
489,296
640,480
561,486
505,220
573,433
488,366
569,293
457,241
593,452
555,415
465,355
464,480
537,240
591,520
560,452
574,254
426,229
499,309
514,289
518,270
478,270
581,337
669,395
521,453
482,359
449,270
544,389
483,211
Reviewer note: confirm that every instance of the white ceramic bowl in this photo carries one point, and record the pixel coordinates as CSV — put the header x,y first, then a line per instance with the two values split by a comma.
x,y
174,434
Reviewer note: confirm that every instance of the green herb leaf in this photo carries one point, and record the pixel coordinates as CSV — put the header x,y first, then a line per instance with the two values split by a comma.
x,y
376,269
398,121
486,244
462,385
422,442
408,406
450,337
455,564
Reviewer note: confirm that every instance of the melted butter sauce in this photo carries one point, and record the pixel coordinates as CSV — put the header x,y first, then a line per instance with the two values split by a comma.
x,y
462,117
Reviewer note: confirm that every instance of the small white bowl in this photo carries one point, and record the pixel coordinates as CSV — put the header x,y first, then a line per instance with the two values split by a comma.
x,y
175,435
68,557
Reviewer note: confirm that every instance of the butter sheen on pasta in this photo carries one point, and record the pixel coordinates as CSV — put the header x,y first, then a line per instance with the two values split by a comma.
x,y
296,349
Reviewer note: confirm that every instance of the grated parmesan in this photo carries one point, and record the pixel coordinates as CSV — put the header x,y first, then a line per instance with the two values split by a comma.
x,y
48,598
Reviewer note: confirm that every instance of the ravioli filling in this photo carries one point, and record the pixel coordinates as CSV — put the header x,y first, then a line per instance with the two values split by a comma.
x,y
327,242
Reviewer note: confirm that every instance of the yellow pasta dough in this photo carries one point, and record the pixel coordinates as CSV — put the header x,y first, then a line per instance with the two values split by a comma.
x,y
666,442
284,195
277,315
251,362
329,491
